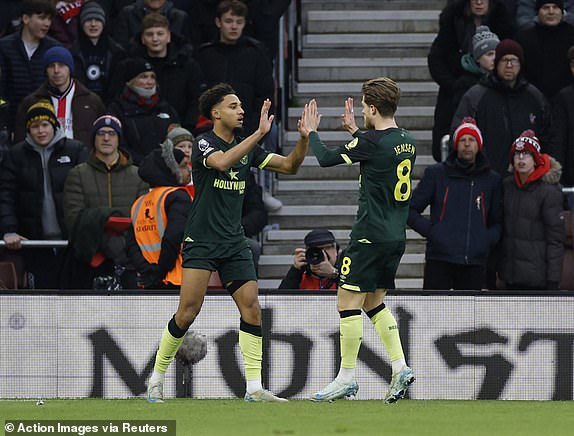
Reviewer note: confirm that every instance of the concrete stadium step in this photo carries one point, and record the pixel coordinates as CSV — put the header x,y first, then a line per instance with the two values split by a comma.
x,y
311,216
371,5
373,21
408,117
276,266
368,40
401,284
360,69
335,93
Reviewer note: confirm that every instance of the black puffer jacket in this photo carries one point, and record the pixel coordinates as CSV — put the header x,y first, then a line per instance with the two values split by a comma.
x,y
533,236
563,132
465,220
502,114
246,67
22,181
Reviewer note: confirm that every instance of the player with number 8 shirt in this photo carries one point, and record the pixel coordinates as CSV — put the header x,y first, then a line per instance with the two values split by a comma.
x,y
386,154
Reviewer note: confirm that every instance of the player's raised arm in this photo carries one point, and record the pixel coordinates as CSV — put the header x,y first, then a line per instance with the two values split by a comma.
x,y
222,161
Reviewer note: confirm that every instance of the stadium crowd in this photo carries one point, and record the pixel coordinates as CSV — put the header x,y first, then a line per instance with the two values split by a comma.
x,y
94,89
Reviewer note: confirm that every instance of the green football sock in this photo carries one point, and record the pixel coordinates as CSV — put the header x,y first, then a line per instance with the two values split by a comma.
x,y
351,334
168,347
252,350
387,329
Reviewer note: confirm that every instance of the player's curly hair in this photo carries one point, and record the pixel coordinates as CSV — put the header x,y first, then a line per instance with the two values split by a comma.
x,y
213,96
383,93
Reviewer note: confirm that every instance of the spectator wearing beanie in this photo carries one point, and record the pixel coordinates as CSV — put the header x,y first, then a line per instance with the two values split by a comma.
x,y
504,104
457,25
95,53
459,237
64,26
182,139
167,172
476,63
143,113
23,68
31,188
533,236
106,185
75,105
546,47
527,12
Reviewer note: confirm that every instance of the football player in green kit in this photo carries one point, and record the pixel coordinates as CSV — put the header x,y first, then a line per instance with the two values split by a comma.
x,y
214,239
386,154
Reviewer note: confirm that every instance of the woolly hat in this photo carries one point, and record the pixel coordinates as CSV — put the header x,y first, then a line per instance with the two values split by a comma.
x,y
171,158
61,55
92,11
177,134
319,237
483,41
467,127
540,3
527,142
509,46
107,121
136,66
41,111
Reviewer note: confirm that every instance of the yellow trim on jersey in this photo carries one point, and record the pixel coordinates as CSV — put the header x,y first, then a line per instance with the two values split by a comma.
x,y
266,161
364,241
346,158
352,288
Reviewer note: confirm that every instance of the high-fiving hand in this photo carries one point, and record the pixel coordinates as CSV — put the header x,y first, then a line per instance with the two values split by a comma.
x,y
348,118
310,119
265,120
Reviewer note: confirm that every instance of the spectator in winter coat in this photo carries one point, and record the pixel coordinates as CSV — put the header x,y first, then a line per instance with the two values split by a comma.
x,y
159,217
31,189
238,60
104,186
75,105
476,64
128,23
545,48
533,236
179,77
504,104
457,25
22,53
465,220
527,13
145,116
95,53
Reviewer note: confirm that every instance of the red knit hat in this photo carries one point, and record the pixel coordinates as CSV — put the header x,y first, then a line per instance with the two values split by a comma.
x,y
467,127
527,142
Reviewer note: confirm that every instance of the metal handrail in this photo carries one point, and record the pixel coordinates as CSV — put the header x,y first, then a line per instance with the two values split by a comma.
x,y
40,243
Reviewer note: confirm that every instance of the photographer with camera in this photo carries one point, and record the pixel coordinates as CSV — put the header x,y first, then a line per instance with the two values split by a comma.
x,y
316,265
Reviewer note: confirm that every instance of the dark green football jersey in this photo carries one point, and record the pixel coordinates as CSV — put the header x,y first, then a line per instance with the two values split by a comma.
x,y
216,211
387,158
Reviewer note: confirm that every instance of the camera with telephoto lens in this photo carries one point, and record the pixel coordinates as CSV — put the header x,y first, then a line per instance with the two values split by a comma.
x,y
314,255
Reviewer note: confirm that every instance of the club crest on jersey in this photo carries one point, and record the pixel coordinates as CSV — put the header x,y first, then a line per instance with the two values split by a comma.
x,y
244,160
203,145
352,144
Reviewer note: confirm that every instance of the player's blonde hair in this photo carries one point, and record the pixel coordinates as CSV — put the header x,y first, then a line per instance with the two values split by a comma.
x,y
383,93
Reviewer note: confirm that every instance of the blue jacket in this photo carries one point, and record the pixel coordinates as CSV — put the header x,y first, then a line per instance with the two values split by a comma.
x,y
466,211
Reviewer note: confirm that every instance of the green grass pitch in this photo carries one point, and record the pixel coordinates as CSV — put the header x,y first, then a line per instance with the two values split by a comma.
x,y
298,417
